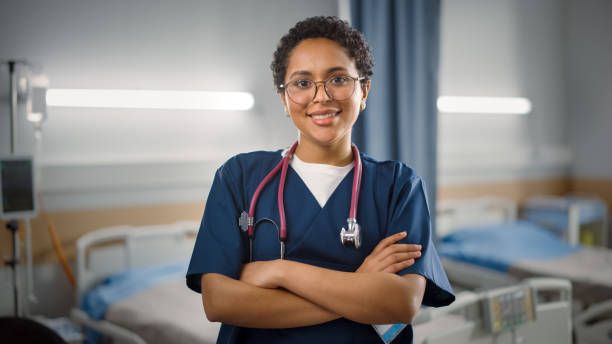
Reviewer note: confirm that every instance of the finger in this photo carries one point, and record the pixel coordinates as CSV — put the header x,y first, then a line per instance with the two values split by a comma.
x,y
400,257
379,258
395,248
396,253
394,268
388,241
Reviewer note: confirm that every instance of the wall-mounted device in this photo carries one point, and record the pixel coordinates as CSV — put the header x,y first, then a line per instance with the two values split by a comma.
x,y
17,187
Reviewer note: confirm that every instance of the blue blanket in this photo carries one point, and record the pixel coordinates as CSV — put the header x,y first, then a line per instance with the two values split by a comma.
x,y
96,301
500,246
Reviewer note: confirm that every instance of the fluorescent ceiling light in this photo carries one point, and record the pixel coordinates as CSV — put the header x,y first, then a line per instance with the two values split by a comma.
x,y
497,105
150,99
35,117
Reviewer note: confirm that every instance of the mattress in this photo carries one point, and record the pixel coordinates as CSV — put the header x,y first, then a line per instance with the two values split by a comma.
x,y
589,269
524,249
167,313
154,303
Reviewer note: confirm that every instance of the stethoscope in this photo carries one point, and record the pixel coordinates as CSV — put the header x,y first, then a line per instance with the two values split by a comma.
x,y
247,221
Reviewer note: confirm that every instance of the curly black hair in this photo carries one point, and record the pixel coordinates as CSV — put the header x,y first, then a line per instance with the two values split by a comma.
x,y
332,28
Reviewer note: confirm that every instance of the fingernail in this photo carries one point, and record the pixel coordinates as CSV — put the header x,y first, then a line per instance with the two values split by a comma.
x,y
403,233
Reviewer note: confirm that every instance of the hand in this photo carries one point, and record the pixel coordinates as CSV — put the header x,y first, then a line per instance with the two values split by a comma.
x,y
390,257
261,274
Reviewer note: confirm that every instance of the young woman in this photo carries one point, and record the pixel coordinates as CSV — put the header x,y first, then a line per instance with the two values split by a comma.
x,y
324,290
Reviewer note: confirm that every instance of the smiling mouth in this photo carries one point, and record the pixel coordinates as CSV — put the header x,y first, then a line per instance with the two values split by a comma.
x,y
323,115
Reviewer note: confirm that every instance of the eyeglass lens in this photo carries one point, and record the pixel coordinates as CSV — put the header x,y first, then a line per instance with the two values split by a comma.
x,y
337,88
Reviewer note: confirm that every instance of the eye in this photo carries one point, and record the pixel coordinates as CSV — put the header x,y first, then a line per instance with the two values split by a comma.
x,y
304,83
340,80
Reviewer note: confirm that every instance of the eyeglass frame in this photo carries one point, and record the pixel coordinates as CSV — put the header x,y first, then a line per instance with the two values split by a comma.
x,y
355,80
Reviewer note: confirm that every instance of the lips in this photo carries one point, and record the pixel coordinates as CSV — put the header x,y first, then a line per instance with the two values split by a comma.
x,y
324,117
323,114
331,114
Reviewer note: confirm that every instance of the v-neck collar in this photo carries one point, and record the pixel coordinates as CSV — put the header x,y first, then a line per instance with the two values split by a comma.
x,y
312,196
305,216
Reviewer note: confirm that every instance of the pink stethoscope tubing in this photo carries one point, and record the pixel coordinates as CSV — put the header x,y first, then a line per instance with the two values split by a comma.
x,y
283,165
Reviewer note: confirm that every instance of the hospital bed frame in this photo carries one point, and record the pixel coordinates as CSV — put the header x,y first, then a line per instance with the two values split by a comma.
x,y
116,249
466,319
574,214
455,214
591,324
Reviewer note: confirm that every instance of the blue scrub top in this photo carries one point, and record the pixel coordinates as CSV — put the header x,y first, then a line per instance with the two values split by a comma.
x,y
392,199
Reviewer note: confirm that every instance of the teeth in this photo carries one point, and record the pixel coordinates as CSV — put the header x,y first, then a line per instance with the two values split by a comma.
x,y
324,116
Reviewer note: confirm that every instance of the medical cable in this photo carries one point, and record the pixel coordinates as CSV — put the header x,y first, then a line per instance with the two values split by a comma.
x,y
57,245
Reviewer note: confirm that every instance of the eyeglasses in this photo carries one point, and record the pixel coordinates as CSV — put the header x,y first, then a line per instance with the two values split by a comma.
x,y
303,91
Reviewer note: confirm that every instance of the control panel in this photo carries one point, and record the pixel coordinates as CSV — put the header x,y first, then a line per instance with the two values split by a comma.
x,y
507,308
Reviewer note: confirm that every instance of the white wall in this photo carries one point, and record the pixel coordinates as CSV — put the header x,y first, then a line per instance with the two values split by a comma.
x,y
589,83
95,158
504,48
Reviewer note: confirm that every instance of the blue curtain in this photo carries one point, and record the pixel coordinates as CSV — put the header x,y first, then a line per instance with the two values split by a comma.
x,y
400,120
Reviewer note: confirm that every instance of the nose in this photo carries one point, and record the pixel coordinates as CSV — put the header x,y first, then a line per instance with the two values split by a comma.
x,y
320,96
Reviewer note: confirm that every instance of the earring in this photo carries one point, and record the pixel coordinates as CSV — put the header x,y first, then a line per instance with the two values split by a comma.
x,y
363,106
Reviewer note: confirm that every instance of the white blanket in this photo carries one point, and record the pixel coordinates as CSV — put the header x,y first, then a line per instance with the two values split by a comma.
x,y
168,313
589,269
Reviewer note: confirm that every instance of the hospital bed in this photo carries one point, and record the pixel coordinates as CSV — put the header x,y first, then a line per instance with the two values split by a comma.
x,y
131,286
483,245
581,220
538,310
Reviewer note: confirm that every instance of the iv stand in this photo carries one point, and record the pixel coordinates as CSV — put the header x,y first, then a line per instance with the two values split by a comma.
x,y
13,225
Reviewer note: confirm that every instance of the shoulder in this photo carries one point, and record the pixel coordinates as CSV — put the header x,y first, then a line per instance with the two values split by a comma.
x,y
248,162
392,172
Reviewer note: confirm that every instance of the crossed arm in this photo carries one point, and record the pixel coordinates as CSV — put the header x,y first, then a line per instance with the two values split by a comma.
x,y
283,294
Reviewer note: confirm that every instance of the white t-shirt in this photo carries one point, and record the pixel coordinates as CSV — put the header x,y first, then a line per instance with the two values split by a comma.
x,y
321,179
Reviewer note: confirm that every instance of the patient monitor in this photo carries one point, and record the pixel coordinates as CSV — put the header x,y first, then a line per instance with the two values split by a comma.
x,y
17,188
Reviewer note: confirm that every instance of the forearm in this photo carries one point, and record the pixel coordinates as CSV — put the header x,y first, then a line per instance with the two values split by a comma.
x,y
371,298
237,303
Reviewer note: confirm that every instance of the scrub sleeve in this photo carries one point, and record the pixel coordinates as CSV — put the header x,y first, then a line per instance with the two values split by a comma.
x,y
410,213
219,246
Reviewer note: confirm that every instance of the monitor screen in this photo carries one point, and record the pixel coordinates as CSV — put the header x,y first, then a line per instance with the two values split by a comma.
x,y
17,179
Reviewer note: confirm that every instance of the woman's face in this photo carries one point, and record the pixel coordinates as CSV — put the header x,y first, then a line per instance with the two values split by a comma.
x,y
323,121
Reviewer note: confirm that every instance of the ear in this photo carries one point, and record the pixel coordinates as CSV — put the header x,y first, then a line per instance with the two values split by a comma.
x,y
365,89
284,101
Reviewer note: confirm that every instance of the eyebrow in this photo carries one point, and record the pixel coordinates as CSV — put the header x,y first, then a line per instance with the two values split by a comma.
x,y
307,73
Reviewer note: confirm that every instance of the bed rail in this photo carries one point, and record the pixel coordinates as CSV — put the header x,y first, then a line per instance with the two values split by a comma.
x,y
454,214
119,334
115,249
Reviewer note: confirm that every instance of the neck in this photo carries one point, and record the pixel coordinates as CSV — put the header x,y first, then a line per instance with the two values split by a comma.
x,y
336,154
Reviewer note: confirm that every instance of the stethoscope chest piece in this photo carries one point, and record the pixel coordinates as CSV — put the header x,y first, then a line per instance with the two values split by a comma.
x,y
352,236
